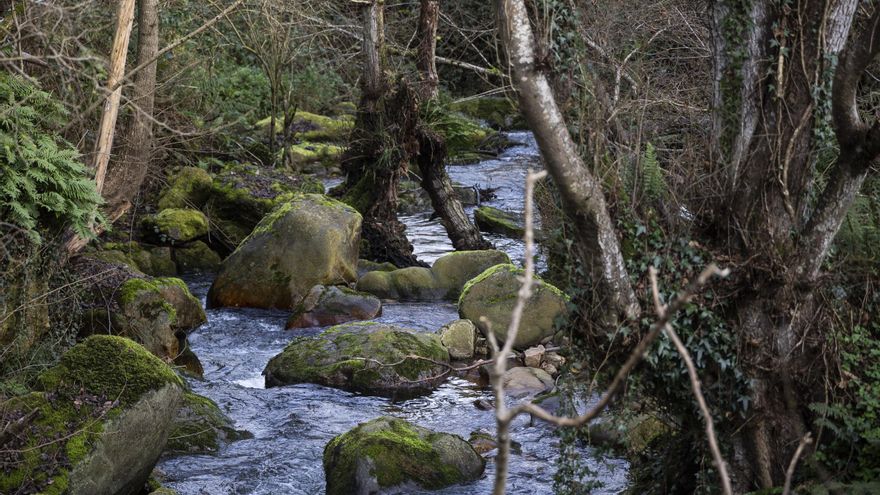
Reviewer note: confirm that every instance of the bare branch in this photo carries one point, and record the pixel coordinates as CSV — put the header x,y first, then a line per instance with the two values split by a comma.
x,y
789,473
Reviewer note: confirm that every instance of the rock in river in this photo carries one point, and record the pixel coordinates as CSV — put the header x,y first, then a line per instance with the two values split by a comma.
x,y
389,453
493,295
98,425
334,305
310,240
365,357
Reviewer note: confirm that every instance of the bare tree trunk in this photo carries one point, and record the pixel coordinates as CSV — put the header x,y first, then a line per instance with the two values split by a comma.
x,y
432,147
426,61
104,143
126,175
581,191
462,232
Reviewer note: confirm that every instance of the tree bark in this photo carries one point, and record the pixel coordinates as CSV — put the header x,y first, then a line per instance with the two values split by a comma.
x,y
426,61
126,175
581,192
104,143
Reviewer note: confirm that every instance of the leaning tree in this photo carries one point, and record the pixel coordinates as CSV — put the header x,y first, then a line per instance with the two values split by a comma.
x,y
793,148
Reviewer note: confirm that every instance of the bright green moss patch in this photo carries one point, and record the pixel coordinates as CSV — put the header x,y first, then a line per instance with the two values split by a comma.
x,y
189,188
310,152
317,127
398,452
113,367
176,225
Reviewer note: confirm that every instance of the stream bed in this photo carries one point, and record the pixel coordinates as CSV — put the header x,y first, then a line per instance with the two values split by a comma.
x,y
292,424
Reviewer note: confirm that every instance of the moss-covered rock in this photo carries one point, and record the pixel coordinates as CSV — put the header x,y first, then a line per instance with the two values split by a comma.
x,y
310,240
200,427
75,436
365,357
459,338
188,188
151,260
492,295
453,270
197,257
413,283
388,452
496,221
325,306
307,152
156,313
316,128
500,113
367,266
175,226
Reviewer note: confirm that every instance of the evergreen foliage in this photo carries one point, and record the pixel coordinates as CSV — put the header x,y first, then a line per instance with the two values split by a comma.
x,y
43,184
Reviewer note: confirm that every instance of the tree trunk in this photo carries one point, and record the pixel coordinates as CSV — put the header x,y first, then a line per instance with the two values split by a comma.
x,y
432,147
126,175
380,148
104,143
581,192
462,232
426,61
767,145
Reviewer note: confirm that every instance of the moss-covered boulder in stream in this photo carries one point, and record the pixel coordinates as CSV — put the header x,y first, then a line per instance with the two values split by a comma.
x,y
501,222
493,294
390,454
151,260
310,240
364,357
459,337
444,280
498,112
176,226
98,424
200,427
325,306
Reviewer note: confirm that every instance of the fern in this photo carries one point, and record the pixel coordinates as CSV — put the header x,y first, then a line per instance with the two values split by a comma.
x,y
859,234
43,185
646,178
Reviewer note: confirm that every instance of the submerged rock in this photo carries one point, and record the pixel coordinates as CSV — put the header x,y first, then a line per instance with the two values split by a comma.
x,y
310,240
444,280
492,295
523,382
98,424
388,453
200,427
334,305
365,357
459,338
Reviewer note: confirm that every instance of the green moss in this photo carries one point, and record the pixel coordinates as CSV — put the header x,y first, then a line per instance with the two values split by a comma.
x,y
310,152
325,128
500,113
93,381
177,225
294,202
399,452
511,269
189,188
200,427
114,367
491,219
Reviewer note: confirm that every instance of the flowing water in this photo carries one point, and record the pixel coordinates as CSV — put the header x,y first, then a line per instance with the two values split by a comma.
x,y
291,425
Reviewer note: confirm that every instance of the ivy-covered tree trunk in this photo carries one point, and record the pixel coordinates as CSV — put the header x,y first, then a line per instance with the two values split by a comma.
x,y
785,103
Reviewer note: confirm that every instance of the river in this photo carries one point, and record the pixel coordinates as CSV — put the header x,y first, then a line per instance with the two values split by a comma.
x,y
291,425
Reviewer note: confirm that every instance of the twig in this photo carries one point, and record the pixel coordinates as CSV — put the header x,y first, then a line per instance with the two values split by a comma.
x,y
789,473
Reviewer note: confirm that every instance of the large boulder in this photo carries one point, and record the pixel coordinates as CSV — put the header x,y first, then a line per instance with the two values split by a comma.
x,y
366,357
455,269
390,454
325,306
310,240
444,280
176,226
200,427
492,295
188,188
98,424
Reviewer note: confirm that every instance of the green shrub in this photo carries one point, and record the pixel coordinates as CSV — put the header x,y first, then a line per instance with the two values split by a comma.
x,y
43,184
